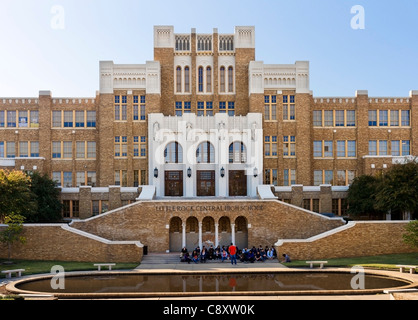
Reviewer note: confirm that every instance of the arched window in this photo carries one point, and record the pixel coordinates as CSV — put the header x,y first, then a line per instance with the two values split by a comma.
x,y
200,79
205,153
186,79
230,79
222,79
178,79
173,153
237,152
208,79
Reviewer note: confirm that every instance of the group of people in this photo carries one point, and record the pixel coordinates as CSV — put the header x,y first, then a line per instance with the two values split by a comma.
x,y
231,252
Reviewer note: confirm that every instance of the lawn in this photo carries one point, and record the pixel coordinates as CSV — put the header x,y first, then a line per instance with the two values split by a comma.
x,y
36,267
377,262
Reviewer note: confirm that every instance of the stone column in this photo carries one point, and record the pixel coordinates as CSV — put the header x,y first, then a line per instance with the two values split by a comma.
x,y
216,234
200,235
183,237
233,233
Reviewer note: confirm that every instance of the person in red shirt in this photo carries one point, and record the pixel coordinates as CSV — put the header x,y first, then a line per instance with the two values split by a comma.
x,y
232,250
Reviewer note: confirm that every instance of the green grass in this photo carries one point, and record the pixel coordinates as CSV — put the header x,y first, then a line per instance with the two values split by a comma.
x,y
377,262
37,267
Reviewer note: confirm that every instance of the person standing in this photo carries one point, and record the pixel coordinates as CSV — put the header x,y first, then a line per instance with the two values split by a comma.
x,y
232,253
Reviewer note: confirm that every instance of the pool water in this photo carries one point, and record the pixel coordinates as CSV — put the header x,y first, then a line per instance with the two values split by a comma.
x,y
195,283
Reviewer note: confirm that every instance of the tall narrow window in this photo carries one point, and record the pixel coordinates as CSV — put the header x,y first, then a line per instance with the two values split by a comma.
x,y
230,79
222,79
178,79
186,79
237,152
208,79
200,79
173,153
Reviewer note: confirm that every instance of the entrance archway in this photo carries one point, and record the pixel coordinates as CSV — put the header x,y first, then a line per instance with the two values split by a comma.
x,y
192,233
224,234
208,232
241,232
175,232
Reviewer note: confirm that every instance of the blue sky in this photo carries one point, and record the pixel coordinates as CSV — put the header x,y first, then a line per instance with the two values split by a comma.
x,y
382,58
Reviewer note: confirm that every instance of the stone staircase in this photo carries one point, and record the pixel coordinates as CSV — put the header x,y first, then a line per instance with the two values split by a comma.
x,y
161,258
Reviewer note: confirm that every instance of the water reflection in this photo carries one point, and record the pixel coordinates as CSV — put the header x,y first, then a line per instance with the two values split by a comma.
x,y
135,283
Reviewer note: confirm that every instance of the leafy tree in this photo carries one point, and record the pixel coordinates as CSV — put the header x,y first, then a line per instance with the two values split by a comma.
x,y
15,194
411,235
46,195
398,188
11,233
361,195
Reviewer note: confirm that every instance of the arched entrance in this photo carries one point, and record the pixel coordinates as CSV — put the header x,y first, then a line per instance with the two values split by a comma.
x,y
241,232
208,232
175,234
224,234
192,233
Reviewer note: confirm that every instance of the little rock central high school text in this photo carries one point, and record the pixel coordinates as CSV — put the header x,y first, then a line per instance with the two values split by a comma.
x,y
205,119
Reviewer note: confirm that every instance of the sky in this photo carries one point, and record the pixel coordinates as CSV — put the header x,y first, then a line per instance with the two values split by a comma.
x,y
56,45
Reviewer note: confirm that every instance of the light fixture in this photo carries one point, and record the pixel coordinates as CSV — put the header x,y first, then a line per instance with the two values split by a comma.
x,y
222,172
155,173
255,172
189,172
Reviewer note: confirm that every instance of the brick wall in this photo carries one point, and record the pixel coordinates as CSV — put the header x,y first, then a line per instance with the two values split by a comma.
x,y
353,240
53,242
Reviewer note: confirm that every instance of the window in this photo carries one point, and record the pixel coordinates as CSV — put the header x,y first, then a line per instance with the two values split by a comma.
x,y
34,149
323,149
205,153
173,153
80,179
186,79
394,118
289,146
178,79
345,177
383,118
270,146
91,119
1,149
317,118
23,149
270,108
11,119
289,177
383,147
23,119
200,79
2,119
372,118
121,178
140,149
68,119
121,108
79,119
56,149
328,118
67,147
270,177
406,151
395,145
289,108
230,79
56,119
350,118
323,177
91,149
339,118
121,146
372,148
346,149
208,79
205,108
71,208
80,150
405,118
182,107
222,79
67,179
56,176
225,107
237,152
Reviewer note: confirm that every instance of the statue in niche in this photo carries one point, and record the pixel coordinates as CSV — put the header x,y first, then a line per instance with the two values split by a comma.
x,y
253,128
156,129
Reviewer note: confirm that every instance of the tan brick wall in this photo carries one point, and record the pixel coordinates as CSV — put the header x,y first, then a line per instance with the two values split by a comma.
x,y
52,242
363,239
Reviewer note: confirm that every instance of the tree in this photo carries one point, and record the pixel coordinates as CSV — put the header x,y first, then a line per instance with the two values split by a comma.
x,y
11,233
398,189
411,235
46,196
15,194
361,195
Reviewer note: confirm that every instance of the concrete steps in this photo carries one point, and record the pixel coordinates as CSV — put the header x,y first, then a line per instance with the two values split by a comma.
x,y
161,258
